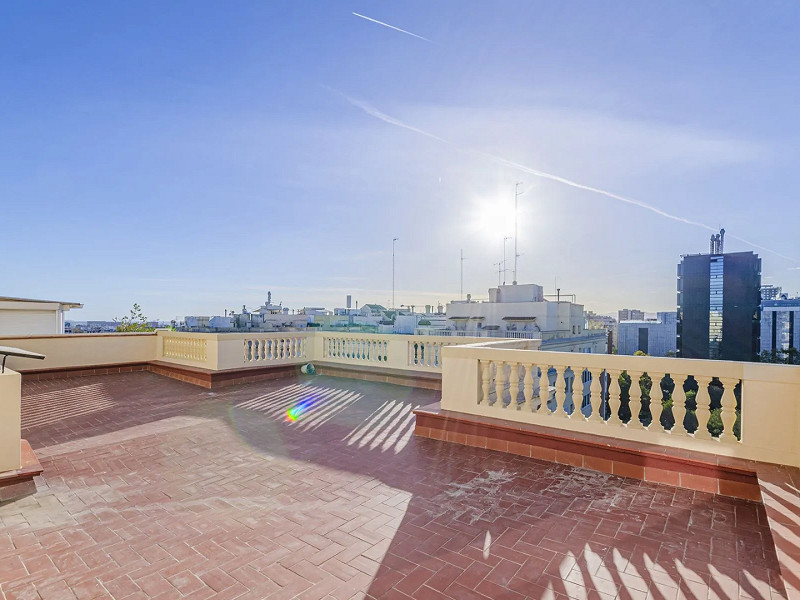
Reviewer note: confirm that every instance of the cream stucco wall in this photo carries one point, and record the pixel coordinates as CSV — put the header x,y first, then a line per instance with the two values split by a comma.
x,y
10,385
81,350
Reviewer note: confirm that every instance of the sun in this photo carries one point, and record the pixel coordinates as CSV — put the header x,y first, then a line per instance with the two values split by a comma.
x,y
492,218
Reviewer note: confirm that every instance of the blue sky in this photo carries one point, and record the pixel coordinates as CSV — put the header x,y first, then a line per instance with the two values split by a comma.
x,y
191,156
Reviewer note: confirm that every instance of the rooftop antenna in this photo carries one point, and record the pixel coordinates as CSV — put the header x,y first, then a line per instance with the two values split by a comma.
x,y
462,273
516,254
499,266
393,241
721,241
505,239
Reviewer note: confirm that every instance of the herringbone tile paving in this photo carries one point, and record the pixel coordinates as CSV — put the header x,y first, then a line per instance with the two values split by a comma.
x,y
157,489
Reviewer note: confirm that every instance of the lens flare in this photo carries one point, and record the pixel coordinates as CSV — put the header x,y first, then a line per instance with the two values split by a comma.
x,y
294,413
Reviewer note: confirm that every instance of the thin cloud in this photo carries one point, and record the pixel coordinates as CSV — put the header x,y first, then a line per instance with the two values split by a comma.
x,y
396,28
374,112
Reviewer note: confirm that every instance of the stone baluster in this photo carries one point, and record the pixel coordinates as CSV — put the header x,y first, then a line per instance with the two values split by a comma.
x,y
561,392
657,403
535,404
544,389
596,391
485,381
499,381
513,385
728,411
527,386
635,400
703,412
614,397
679,407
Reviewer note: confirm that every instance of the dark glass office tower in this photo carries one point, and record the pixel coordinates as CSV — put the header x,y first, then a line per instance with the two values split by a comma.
x,y
719,302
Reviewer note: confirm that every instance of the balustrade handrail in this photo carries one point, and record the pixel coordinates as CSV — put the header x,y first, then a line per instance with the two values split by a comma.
x,y
643,363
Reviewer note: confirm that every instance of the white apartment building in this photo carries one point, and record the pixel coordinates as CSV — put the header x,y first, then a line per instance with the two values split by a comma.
x,y
523,311
26,316
655,338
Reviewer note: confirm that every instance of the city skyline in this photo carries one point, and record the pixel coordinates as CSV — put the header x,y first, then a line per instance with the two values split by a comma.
x,y
183,159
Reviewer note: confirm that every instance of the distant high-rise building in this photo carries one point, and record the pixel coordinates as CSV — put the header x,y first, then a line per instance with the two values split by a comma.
x,y
719,299
631,314
779,322
771,292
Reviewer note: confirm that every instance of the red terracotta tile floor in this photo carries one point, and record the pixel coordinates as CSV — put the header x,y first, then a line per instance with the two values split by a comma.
x,y
154,488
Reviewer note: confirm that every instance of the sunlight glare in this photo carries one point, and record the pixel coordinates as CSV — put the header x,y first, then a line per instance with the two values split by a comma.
x,y
492,218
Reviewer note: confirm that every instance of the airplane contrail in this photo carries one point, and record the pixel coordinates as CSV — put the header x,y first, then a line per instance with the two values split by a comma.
x,y
374,112
395,28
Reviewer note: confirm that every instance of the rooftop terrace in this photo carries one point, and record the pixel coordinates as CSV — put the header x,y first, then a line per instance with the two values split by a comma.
x,y
156,488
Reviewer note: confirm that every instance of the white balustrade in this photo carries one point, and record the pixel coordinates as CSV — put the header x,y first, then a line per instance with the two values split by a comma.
x,y
276,348
705,405
361,348
562,386
185,348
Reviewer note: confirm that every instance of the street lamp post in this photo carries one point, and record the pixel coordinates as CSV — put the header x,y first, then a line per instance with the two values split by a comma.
x,y
516,254
393,241
505,239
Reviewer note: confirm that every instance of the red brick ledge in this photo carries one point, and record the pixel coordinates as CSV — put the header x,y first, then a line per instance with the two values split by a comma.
x,y
208,378
214,379
19,483
42,374
197,376
648,462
